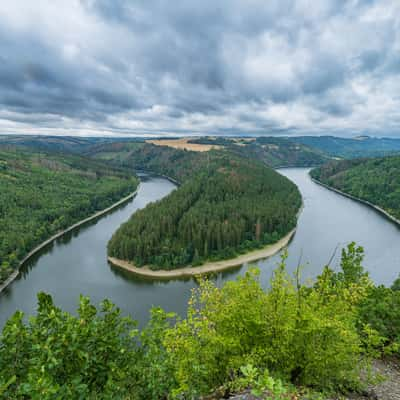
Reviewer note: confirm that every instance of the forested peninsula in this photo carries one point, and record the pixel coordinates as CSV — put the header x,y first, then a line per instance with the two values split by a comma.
x,y
376,180
226,205
42,194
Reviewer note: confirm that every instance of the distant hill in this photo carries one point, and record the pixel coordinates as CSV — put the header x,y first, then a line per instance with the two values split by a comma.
x,y
71,144
273,151
302,151
361,146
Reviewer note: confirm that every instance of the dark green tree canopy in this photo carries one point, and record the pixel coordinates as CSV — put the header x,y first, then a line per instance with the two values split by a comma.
x,y
226,205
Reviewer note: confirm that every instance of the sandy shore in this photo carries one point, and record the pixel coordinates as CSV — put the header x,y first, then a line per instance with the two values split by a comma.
x,y
15,273
216,266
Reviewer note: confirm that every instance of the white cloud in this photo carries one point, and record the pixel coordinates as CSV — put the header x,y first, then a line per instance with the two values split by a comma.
x,y
294,66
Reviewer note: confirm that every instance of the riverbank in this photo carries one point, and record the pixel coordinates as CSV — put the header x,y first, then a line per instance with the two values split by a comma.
x,y
15,273
210,267
374,206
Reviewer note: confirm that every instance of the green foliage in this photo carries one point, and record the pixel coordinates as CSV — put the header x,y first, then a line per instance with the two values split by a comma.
x,y
374,180
42,194
57,355
306,335
396,284
262,384
156,379
350,263
381,311
229,205
279,343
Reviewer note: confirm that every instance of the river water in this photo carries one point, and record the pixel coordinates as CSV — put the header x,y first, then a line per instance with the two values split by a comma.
x,y
77,263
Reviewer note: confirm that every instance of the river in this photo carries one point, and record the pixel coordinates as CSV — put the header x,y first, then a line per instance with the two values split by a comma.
x,y
77,263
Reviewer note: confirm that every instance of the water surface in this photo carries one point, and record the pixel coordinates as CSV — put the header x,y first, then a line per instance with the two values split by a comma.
x,y
77,263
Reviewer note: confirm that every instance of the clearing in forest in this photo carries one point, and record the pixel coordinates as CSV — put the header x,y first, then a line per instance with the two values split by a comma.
x,y
183,143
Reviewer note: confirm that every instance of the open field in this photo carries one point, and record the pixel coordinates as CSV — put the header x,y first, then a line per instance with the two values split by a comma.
x,y
183,143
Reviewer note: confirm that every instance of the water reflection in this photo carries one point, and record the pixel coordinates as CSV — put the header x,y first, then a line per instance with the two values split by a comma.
x,y
77,263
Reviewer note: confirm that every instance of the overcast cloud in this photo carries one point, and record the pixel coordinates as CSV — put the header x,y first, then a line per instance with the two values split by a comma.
x,y
200,67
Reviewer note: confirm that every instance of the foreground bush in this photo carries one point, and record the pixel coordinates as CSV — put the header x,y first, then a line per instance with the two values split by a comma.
x,y
306,335
380,310
57,355
232,338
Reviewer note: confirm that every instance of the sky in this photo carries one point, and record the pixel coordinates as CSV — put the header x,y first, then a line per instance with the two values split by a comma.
x,y
209,67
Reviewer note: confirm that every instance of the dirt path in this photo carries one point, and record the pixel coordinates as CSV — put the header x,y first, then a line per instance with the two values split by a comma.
x,y
389,389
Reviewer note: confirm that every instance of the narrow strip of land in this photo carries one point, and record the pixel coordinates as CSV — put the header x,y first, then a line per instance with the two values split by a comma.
x,y
213,266
15,273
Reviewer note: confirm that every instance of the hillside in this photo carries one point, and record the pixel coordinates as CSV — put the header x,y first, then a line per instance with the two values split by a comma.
x,y
362,146
41,194
273,151
67,144
226,205
374,180
163,160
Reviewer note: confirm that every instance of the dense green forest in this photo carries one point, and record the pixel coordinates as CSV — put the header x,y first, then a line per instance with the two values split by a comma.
x,y
41,194
225,205
375,180
290,341
177,164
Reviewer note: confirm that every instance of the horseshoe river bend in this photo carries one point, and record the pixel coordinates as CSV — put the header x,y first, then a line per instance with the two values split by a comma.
x,y
77,262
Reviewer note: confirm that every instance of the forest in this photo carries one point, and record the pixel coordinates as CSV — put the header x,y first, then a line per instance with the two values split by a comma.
x,y
375,180
42,194
226,205
290,341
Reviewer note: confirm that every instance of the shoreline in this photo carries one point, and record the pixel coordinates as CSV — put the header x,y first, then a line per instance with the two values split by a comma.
x,y
366,202
39,247
149,172
209,267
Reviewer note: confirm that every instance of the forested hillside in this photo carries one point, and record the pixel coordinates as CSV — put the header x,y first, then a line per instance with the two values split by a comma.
x,y
273,151
375,180
226,205
66,144
41,194
362,146
177,164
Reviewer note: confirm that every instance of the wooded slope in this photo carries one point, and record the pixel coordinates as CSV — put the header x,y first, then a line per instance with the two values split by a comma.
x,y
375,180
226,205
42,194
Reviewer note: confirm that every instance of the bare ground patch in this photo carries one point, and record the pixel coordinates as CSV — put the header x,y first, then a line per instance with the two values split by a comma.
x,y
183,144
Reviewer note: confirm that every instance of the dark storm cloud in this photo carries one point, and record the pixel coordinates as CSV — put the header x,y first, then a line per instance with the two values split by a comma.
x,y
226,67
